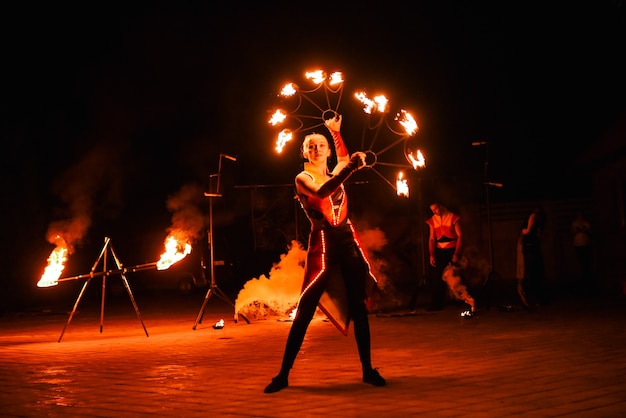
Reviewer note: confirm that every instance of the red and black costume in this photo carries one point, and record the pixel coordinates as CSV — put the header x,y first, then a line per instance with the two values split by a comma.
x,y
337,278
443,251
334,252
337,275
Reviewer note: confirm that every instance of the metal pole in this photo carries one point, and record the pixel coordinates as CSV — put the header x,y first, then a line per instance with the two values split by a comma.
x,y
213,286
488,201
104,281
211,254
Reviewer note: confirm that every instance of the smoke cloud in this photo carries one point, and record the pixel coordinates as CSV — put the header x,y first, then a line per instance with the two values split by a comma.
x,y
278,293
188,220
94,178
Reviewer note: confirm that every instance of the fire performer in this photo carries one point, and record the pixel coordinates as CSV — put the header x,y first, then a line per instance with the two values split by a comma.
x,y
337,275
444,245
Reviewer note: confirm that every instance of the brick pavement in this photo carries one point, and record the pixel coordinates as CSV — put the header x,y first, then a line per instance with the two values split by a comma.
x,y
566,359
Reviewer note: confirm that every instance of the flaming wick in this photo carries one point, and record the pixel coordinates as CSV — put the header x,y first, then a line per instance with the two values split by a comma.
x,y
284,136
402,188
418,161
56,264
173,253
407,121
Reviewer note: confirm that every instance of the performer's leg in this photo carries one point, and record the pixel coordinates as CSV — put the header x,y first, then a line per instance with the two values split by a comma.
x,y
355,274
304,315
438,286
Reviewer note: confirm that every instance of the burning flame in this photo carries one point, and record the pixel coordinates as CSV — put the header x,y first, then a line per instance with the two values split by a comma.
x,y
369,103
418,161
284,136
56,264
289,90
379,103
402,188
336,78
219,324
317,76
292,314
278,117
174,252
408,122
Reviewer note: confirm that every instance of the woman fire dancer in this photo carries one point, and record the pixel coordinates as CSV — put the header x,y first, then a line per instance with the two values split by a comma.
x,y
337,275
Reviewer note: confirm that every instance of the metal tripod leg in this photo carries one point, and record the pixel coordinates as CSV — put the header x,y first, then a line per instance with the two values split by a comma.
x,y
127,286
80,295
132,299
214,289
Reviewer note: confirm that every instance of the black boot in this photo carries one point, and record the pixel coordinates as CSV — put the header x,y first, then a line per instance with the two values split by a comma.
x,y
373,378
278,383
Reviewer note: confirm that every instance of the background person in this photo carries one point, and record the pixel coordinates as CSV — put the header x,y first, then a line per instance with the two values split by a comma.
x,y
581,240
444,246
531,287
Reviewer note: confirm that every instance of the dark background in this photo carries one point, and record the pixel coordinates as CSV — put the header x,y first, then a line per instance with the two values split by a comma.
x,y
108,110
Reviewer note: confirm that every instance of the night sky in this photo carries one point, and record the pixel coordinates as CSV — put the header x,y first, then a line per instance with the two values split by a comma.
x,y
115,108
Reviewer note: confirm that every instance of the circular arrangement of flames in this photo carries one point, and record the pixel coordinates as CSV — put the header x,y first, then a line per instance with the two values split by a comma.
x,y
305,110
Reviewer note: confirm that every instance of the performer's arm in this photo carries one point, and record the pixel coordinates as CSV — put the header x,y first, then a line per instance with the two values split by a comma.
x,y
432,243
457,251
529,226
334,126
306,185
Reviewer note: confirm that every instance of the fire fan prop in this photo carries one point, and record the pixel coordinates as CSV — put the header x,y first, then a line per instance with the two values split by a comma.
x,y
304,110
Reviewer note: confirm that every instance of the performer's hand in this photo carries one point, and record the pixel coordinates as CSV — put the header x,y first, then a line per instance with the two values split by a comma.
x,y
432,261
333,124
360,157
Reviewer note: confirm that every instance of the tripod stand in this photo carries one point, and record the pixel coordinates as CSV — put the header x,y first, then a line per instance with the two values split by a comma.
x,y
104,274
213,288
493,275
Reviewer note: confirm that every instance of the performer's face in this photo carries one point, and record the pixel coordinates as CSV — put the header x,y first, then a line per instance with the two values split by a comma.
x,y
436,209
315,148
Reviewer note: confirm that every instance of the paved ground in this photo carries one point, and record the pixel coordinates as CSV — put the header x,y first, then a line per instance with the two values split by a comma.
x,y
566,359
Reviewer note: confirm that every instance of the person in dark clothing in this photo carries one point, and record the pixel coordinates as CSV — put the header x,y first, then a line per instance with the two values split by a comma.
x,y
531,287
581,240
337,276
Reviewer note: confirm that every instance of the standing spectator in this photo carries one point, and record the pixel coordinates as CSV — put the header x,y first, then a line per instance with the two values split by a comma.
x,y
581,239
444,246
531,287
